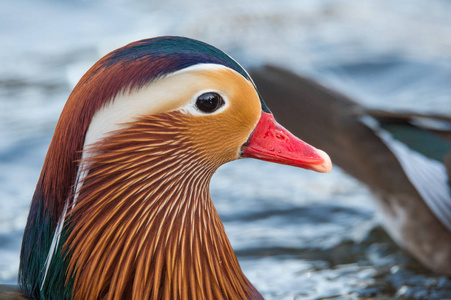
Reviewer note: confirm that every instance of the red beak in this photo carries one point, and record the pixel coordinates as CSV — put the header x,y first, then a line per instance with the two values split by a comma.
x,y
271,142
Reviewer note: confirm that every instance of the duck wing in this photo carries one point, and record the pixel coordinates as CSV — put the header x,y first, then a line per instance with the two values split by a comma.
x,y
412,188
422,145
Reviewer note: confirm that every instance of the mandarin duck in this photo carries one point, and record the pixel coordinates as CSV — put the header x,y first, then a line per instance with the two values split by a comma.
x,y
404,157
122,207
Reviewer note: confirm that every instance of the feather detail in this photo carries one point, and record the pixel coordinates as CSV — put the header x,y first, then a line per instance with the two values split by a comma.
x,y
144,226
55,244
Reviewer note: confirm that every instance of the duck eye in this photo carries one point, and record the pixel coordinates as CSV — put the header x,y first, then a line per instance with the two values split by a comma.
x,y
209,102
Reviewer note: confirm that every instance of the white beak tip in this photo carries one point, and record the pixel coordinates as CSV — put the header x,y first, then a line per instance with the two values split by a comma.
x,y
326,166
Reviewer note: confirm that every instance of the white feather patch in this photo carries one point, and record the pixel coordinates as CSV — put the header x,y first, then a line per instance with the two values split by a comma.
x,y
55,243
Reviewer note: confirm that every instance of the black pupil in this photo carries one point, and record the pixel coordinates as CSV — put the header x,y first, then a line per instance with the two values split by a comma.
x,y
209,102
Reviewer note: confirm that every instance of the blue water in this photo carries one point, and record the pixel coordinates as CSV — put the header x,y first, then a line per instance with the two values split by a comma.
x,y
298,234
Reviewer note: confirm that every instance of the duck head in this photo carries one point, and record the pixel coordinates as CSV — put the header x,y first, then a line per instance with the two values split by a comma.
x,y
122,208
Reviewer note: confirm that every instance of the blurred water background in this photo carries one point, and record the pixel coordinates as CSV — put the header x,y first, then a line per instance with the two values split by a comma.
x,y
297,234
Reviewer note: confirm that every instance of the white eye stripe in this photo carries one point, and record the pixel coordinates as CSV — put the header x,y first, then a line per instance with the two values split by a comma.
x,y
165,94
169,93
191,109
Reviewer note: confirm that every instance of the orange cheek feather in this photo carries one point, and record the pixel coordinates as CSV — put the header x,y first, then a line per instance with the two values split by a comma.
x,y
220,136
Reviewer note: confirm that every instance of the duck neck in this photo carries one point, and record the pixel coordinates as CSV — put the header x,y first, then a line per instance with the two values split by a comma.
x,y
143,225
